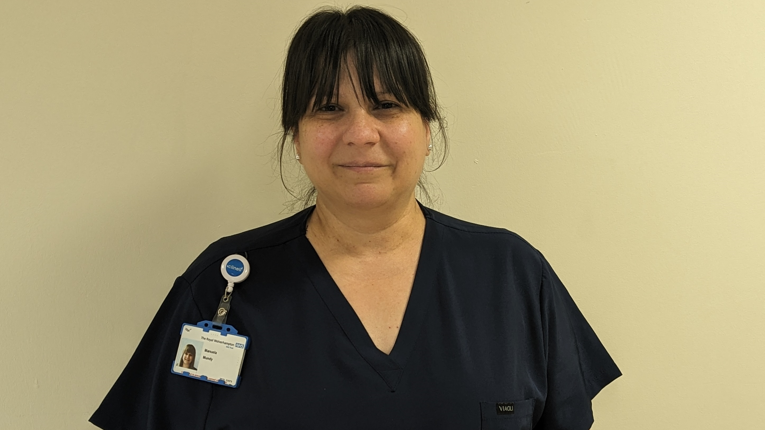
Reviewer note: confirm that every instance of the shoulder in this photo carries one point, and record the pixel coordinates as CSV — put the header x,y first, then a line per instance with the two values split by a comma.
x,y
466,236
267,236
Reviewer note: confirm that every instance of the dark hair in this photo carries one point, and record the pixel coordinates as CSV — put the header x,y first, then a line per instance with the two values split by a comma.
x,y
377,46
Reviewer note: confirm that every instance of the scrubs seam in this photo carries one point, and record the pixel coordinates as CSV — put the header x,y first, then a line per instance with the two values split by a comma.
x,y
576,340
191,293
341,326
219,257
297,227
495,230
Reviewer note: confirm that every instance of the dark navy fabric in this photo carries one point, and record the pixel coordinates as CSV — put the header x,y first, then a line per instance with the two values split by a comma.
x,y
487,322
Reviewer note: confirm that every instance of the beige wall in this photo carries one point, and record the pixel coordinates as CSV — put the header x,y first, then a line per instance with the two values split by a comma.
x,y
625,139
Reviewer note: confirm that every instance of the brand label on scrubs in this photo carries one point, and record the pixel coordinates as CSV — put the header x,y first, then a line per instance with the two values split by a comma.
x,y
210,355
505,408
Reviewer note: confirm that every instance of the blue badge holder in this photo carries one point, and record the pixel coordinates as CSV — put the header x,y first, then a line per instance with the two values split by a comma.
x,y
223,335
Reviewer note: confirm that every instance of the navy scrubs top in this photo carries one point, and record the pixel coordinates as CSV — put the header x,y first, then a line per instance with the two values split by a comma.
x,y
490,339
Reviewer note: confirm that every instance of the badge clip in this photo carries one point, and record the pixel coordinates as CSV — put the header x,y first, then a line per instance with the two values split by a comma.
x,y
234,269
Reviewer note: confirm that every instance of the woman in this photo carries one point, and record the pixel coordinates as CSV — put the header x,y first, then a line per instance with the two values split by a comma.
x,y
188,357
369,310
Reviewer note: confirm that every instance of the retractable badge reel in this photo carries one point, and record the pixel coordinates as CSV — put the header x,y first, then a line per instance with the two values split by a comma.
x,y
213,351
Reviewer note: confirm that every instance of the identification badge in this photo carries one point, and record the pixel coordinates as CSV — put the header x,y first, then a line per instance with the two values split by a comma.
x,y
212,353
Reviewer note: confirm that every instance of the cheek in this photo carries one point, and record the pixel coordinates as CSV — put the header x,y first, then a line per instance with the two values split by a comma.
x,y
412,142
317,140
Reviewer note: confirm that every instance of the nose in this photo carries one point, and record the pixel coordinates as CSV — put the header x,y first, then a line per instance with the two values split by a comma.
x,y
361,129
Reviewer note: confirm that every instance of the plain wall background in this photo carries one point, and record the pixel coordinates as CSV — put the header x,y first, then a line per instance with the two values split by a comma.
x,y
625,139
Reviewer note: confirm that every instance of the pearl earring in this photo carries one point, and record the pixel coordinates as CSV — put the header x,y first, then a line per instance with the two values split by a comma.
x,y
297,157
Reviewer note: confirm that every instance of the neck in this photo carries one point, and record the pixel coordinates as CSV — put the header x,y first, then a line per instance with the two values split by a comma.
x,y
365,231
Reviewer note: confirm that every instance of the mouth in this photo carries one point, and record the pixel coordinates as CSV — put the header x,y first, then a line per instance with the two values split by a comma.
x,y
363,167
362,164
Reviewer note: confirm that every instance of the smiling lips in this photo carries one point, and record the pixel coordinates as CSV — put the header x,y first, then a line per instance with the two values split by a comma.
x,y
362,167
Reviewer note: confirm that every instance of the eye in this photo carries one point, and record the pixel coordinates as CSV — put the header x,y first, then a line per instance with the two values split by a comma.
x,y
328,108
387,105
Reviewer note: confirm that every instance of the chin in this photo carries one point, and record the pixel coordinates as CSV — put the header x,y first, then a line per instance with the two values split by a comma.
x,y
363,199
365,196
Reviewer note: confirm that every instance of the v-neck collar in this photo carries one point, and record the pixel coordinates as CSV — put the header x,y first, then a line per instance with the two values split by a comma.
x,y
391,366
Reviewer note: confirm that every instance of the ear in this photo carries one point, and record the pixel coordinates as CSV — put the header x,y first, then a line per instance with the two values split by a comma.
x,y
427,134
296,144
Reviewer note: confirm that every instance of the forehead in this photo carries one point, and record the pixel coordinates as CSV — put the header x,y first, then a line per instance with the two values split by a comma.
x,y
349,80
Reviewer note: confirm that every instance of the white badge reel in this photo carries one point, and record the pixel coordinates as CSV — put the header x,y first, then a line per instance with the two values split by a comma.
x,y
234,269
213,351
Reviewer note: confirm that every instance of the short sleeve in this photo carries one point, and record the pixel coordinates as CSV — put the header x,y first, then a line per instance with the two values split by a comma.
x,y
147,395
578,365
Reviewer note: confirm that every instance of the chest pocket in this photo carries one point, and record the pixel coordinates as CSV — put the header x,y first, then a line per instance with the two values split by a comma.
x,y
507,415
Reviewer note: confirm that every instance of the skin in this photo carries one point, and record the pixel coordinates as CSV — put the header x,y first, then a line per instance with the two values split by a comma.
x,y
188,360
367,228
